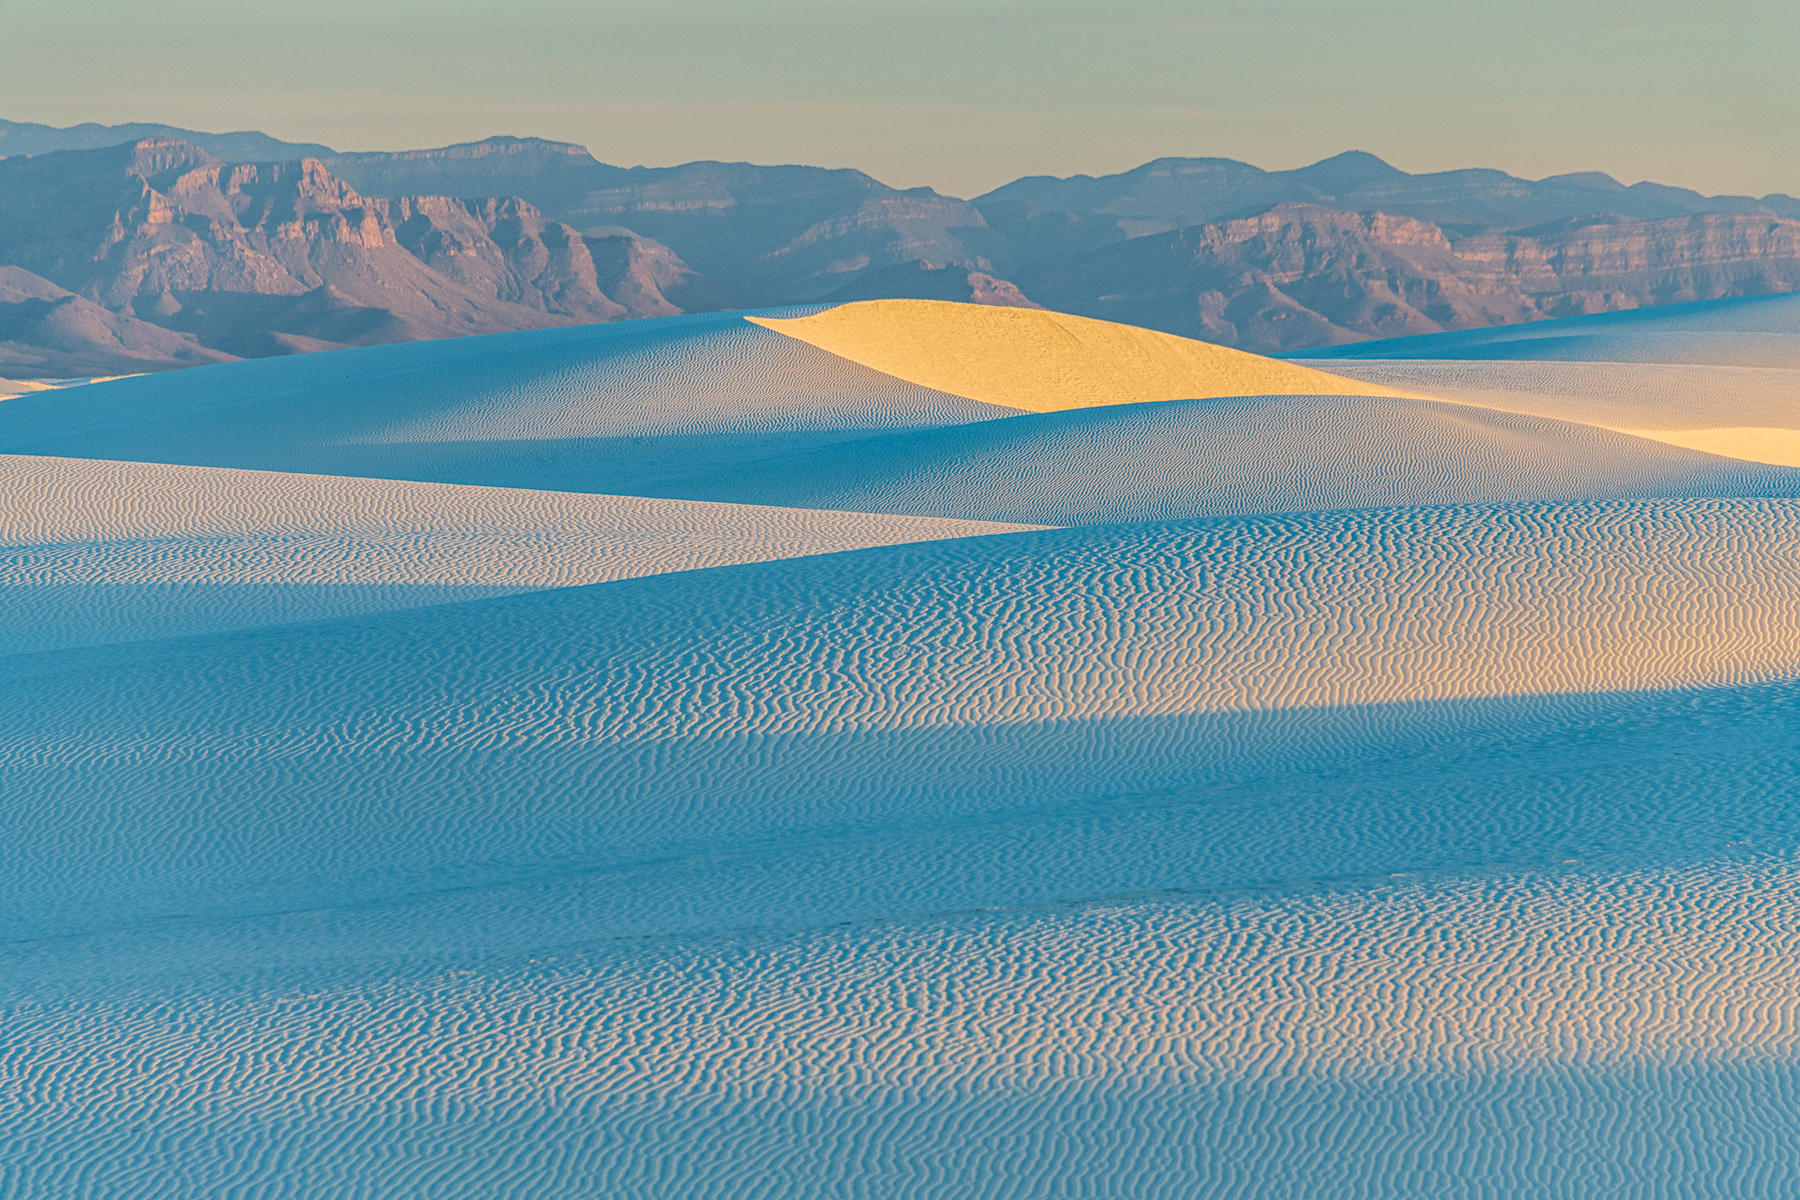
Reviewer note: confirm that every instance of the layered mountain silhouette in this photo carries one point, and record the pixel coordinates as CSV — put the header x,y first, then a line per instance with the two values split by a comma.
x,y
133,248
23,137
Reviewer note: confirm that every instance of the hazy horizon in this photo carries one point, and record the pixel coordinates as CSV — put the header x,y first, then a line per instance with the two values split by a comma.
x,y
299,137
930,94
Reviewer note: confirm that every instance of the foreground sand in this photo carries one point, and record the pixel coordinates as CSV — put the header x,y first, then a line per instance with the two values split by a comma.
x,y
1345,793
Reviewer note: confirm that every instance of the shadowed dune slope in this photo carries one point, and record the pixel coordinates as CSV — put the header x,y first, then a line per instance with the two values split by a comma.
x,y
1270,454
105,551
1749,413
453,745
1755,331
507,409
1043,361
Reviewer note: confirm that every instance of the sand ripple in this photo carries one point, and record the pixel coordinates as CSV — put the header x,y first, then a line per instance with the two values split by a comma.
x,y
1335,1042
617,722
96,552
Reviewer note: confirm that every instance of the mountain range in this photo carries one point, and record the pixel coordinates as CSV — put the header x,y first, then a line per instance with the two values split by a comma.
x,y
130,248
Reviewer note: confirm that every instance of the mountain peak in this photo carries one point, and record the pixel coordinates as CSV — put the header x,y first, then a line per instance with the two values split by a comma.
x,y
1352,168
1598,181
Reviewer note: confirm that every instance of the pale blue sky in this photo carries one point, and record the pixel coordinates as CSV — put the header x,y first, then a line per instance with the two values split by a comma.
x,y
962,96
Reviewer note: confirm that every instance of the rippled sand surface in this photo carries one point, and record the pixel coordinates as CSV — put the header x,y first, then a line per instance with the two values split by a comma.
x,y
716,757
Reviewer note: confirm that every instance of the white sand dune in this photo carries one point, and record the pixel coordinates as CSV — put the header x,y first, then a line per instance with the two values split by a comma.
x,y
104,552
1233,456
451,745
719,408
1367,795
1721,377
18,387
548,408
1754,331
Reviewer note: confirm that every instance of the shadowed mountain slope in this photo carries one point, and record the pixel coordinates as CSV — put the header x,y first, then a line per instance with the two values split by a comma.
x,y
1083,212
47,332
1302,276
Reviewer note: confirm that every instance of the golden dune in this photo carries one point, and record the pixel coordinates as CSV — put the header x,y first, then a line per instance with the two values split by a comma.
x,y
1751,443
1042,361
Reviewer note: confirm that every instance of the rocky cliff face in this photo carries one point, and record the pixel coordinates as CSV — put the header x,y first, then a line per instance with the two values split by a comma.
x,y
160,219
925,281
1347,248
1295,276
1597,265
505,249
789,231
245,259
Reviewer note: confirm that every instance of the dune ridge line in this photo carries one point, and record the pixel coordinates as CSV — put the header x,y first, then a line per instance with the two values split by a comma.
x,y
1042,361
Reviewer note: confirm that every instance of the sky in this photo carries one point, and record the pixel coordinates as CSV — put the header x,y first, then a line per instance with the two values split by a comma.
x,y
961,96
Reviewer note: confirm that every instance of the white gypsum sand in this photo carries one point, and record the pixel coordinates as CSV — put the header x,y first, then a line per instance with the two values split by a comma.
x,y
676,759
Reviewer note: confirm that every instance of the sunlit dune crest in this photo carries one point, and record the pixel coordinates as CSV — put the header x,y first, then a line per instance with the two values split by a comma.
x,y
1042,361
11,389
1750,443
19,387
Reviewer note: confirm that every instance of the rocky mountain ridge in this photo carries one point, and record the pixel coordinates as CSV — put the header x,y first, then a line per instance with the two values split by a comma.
x,y
161,253
1300,276
250,259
